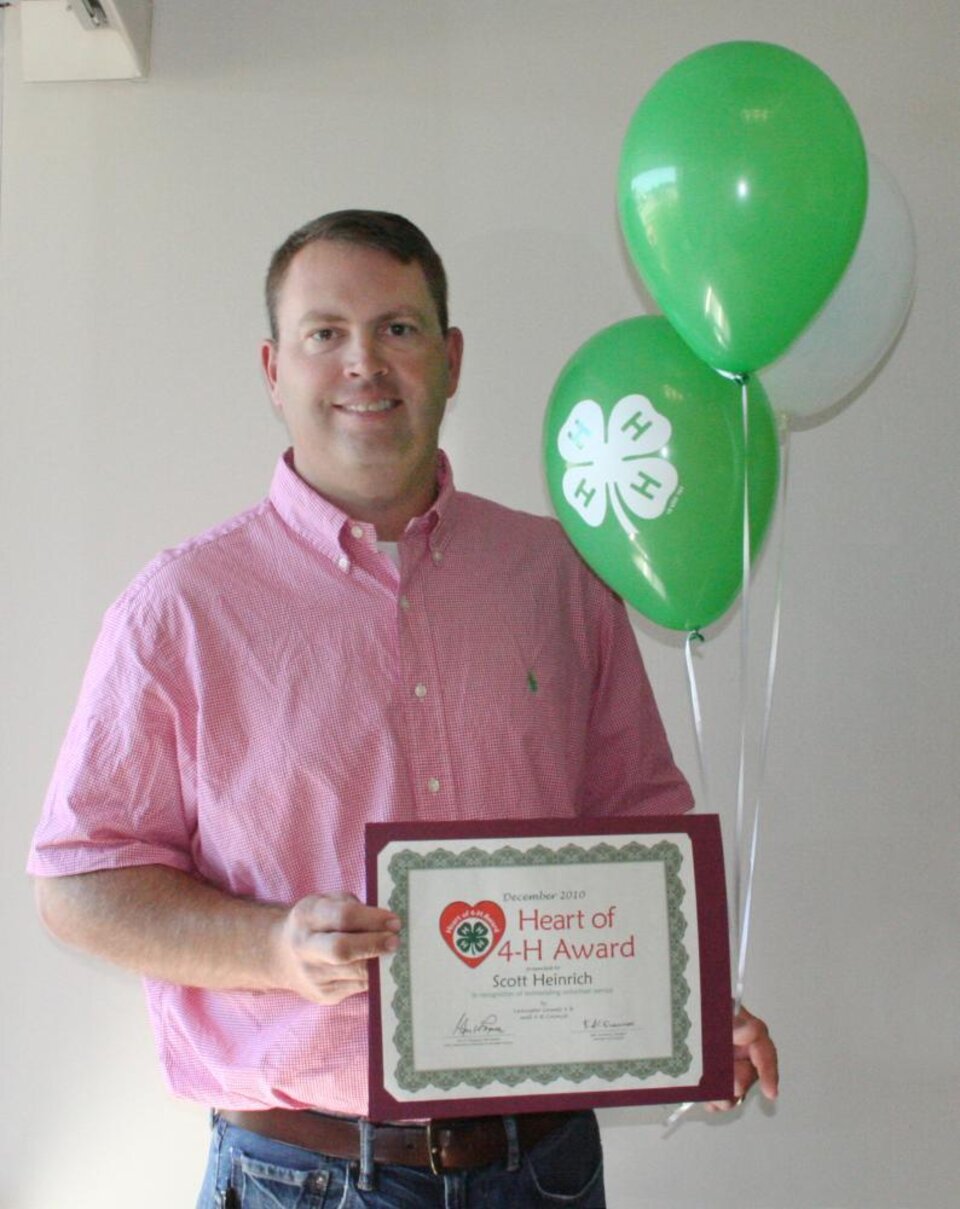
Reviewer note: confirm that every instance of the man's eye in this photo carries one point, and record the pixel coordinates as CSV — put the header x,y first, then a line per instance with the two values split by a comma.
x,y
322,334
400,329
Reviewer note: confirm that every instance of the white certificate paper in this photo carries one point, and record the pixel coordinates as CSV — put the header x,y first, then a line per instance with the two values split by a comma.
x,y
557,970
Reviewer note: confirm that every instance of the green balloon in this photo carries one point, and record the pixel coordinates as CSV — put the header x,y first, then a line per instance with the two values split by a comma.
x,y
742,192
645,463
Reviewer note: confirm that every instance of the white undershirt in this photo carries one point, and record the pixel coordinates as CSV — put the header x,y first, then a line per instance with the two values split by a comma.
x,y
392,551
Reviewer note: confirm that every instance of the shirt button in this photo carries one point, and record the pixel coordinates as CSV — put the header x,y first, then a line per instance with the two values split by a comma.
x,y
433,785
437,556
404,603
343,563
420,691
357,531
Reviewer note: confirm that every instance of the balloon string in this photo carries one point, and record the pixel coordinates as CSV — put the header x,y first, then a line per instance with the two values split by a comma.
x,y
679,1112
683,1109
738,922
693,638
696,637
744,931
767,706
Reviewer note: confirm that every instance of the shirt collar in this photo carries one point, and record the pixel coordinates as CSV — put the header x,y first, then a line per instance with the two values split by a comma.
x,y
324,525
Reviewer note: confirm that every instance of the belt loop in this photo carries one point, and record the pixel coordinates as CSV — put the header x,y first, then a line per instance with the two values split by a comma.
x,y
434,1152
513,1143
366,1180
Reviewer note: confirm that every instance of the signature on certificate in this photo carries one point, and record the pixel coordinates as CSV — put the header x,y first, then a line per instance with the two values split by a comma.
x,y
465,1027
592,1023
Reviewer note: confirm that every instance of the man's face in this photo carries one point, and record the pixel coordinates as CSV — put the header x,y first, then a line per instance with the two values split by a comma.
x,y
361,374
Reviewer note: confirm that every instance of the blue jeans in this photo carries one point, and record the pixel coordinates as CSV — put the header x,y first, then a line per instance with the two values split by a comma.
x,y
247,1171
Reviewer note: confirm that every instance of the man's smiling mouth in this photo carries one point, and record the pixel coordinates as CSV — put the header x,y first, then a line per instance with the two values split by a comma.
x,y
369,406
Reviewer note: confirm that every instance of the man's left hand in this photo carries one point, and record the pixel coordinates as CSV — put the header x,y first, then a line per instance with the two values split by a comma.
x,y
754,1059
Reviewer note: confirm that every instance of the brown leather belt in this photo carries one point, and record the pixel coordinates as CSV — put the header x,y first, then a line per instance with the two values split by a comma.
x,y
459,1145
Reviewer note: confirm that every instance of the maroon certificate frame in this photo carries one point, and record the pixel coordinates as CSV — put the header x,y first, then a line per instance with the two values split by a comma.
x,y
549,964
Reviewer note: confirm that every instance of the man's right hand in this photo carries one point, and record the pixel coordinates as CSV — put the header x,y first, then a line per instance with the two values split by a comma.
x,y
166,924
325,942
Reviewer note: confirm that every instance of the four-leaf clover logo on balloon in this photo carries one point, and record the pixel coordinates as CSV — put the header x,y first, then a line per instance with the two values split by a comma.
x,y
473,937
617,462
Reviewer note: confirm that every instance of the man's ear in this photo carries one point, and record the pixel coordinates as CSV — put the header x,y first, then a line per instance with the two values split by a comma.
x,y
454,342
268,363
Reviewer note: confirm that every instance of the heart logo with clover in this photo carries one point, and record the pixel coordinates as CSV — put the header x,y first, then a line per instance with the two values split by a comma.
x,y
472,931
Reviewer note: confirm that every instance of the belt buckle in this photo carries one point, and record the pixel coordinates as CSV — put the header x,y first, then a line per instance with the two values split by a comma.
x,y
433,1151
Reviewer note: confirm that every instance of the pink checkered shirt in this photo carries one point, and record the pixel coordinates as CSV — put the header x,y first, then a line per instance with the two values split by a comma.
x,y
259,693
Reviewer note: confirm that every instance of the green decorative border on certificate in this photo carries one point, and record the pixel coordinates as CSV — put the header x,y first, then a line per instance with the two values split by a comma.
x,y
673,1065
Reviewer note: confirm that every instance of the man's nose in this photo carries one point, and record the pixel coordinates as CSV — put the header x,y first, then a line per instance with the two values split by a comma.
x,y
364,358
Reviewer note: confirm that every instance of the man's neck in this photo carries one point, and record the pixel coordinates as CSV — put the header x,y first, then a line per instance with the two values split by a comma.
x,y
389,513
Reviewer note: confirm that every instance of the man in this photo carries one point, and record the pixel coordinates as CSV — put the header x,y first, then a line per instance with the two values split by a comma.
x,y
366,644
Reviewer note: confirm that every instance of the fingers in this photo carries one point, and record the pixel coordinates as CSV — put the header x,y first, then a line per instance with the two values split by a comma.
x,y
754,1060
755,1055
331,984
343,913
328,941
338,929
744,1077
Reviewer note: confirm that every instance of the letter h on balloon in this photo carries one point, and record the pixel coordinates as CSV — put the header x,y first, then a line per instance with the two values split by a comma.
x,y
584,493
637,425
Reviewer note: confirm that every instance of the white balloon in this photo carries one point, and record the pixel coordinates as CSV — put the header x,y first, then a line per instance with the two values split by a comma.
x,y
859,323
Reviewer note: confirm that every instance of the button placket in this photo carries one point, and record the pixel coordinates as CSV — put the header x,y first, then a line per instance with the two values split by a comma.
x,y
426,726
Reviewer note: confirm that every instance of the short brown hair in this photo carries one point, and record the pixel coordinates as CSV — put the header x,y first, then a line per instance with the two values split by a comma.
x,y
391,233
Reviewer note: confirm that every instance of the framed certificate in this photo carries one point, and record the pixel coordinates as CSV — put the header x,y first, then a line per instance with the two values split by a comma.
x,y
549,964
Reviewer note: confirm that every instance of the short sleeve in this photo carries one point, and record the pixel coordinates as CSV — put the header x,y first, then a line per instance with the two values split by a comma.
x,y
116,798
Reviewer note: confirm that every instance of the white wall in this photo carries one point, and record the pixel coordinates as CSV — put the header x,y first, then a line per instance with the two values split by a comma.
x,y
135,224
